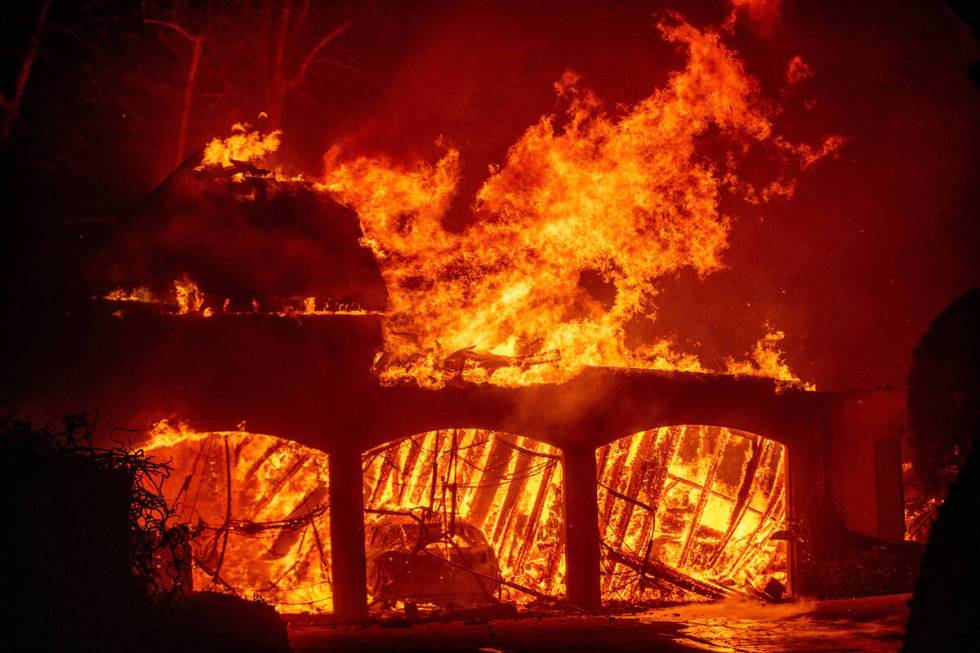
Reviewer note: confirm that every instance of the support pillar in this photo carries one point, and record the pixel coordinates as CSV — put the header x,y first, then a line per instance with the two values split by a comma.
x,y
582,543
348,560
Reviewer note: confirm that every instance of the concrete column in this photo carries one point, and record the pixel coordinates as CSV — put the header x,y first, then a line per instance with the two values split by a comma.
x,y
581,528
349,564
793,552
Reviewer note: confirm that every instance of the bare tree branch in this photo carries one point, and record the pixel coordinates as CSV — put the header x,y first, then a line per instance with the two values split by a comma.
x,y
297,79
197,43
11,105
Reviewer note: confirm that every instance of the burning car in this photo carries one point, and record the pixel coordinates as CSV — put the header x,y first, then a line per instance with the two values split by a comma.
x,y
421,560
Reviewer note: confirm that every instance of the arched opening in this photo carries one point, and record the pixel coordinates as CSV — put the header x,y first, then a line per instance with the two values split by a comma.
x,y
460,518
691,512
257,513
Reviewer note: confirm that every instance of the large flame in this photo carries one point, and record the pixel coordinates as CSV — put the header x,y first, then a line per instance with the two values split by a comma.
x,y
586,199
570,236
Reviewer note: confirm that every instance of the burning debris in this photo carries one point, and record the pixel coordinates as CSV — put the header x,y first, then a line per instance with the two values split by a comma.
x,y
454,518
486,505
690,512
526,302
415,561
464,518
257,511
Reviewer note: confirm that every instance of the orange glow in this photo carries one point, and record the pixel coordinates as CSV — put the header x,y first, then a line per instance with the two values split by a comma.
x,y
684,513
140,295
767,360
797,70
508,487
699,502
572,234
187,298
621,197
244,145
257,510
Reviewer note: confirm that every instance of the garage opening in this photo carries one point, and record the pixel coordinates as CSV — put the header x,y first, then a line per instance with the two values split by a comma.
x,y
461,518
692,513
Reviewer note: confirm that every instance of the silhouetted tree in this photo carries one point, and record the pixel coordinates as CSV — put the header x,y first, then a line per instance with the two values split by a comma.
x,y
944,393
945,613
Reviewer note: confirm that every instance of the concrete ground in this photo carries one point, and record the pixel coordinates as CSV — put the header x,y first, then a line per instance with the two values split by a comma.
x,y
869,624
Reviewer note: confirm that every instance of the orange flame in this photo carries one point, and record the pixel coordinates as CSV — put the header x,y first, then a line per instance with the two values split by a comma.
x,y
257,510
626,199
701,501
572,233
245,144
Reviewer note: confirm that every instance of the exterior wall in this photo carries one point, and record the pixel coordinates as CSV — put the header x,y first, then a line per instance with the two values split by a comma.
x,y
864,461
309,380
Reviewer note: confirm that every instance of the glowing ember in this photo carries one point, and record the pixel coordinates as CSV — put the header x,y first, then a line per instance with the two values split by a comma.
x,y
140,294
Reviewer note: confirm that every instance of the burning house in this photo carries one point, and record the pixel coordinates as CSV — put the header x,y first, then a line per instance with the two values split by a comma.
x,y
393,385
615,485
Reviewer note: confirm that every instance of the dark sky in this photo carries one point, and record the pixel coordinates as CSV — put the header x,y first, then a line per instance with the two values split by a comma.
x,y
852,268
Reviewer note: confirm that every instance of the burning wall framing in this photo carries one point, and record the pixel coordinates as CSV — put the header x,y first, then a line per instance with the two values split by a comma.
x,y
459,518
690,512
506,487
257,510
335,405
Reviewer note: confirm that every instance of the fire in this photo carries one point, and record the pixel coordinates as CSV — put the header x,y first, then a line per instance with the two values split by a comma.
x,y
187,298
257,510
245,144
571,234
465,517
689,512
621,198
570,237
463,481
139,294
767,360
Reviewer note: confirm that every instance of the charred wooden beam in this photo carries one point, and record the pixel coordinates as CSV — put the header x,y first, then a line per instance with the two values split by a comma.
x,y
656,571
760,451
756,539
530,531
515,489
486,491
721,442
